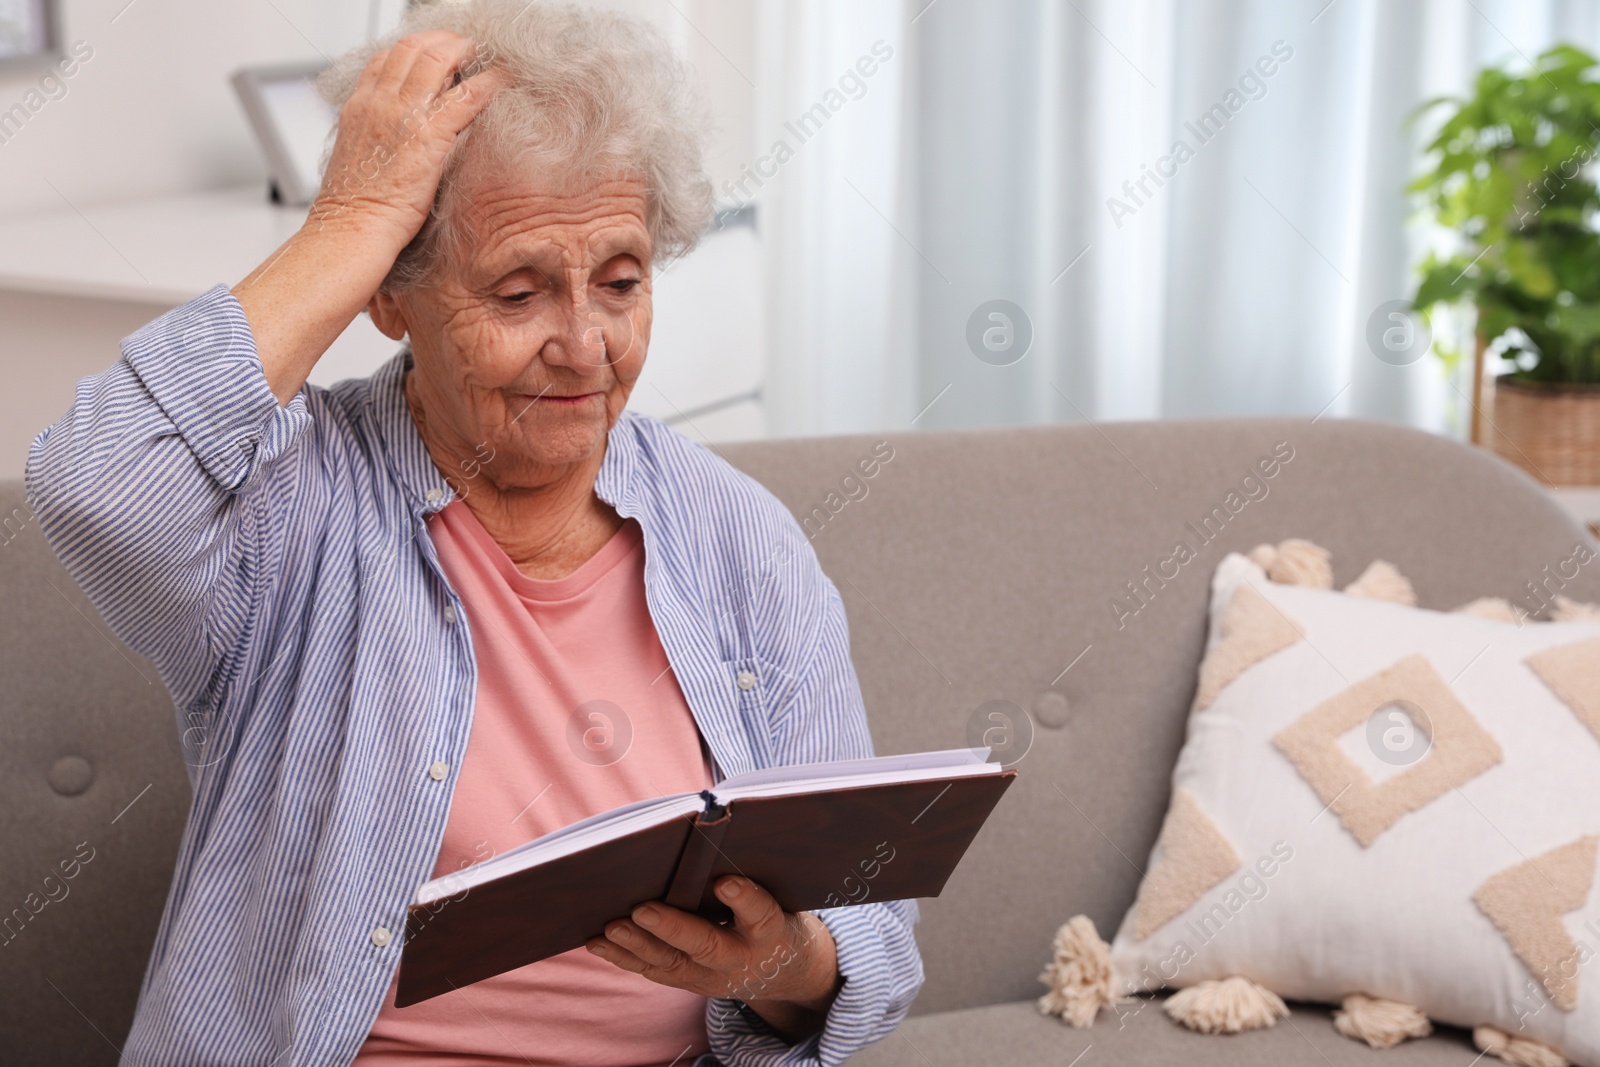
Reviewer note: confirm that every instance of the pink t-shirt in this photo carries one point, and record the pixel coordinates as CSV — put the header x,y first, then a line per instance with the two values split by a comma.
x,y
576,713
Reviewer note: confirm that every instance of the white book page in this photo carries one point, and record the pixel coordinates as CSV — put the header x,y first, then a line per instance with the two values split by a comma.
x,y
606,826
874,770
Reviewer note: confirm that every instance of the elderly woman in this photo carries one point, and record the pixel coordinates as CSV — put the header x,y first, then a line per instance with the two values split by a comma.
x,y
414,620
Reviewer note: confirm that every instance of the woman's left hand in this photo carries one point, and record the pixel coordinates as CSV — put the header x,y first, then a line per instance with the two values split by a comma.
x,y
782,964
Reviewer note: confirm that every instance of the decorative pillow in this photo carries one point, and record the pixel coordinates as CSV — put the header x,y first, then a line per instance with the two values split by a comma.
x,y
1392,808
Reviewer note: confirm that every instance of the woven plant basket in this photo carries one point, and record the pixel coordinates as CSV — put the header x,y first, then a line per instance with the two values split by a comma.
x,y
1552,431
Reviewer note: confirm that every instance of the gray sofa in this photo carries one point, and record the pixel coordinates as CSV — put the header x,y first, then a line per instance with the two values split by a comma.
x,y
975,566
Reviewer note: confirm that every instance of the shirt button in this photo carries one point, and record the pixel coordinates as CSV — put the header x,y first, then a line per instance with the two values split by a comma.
x,y
380,936
449,613
438,771
433,494
746,680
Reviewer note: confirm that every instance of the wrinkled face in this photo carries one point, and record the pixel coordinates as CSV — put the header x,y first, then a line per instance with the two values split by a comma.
x,y
525,354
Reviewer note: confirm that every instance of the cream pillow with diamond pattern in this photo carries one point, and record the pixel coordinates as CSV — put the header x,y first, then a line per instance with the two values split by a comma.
x,y
1392,808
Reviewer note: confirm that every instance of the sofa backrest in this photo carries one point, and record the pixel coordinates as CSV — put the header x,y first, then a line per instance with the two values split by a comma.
x,y
975,566
92,778
981,566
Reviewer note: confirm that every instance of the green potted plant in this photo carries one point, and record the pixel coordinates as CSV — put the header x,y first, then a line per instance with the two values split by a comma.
x,y
1513,174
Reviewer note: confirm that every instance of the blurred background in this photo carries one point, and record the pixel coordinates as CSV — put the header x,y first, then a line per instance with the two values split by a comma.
x,y
936,213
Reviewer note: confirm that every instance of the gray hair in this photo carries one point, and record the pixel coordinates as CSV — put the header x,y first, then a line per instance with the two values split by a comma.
x,y
592,95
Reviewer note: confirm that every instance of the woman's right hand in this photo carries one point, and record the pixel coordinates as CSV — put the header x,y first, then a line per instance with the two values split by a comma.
x,y
396,129
394,134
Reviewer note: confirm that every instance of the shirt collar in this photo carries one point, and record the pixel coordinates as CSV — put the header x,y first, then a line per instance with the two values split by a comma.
x,y
419,479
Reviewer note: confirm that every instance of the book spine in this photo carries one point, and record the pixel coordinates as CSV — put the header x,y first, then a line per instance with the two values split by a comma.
x,y
694,866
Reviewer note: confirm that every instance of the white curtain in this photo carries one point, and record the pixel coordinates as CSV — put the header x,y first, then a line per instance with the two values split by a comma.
x,y
1005,152
833,183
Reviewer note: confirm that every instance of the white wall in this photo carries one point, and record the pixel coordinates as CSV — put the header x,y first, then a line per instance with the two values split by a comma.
x,y
151,112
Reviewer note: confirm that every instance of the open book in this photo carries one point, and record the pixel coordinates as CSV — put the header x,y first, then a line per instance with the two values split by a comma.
x,y
815,835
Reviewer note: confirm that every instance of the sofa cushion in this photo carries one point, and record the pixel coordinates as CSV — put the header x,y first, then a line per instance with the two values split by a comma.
x,y
1017,1035
1384,800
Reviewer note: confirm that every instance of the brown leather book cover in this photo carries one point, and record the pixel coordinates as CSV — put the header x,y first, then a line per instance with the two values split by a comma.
x,y
818,850
532,914
850,846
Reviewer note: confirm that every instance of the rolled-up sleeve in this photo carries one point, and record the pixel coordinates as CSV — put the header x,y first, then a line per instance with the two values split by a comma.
x,y
143,488
877,950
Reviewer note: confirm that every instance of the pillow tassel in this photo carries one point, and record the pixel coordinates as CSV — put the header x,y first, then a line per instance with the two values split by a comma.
x,y
1226,1007
1381,581
1264,556
1495,608
1569,610
1079,976
1519,1051
1380,1023
1299,562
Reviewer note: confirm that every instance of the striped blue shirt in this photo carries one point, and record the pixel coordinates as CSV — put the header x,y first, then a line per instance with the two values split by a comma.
x,y
275,565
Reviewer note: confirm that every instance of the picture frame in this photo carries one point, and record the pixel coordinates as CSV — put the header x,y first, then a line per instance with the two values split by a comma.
x,y
291,123
30,33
